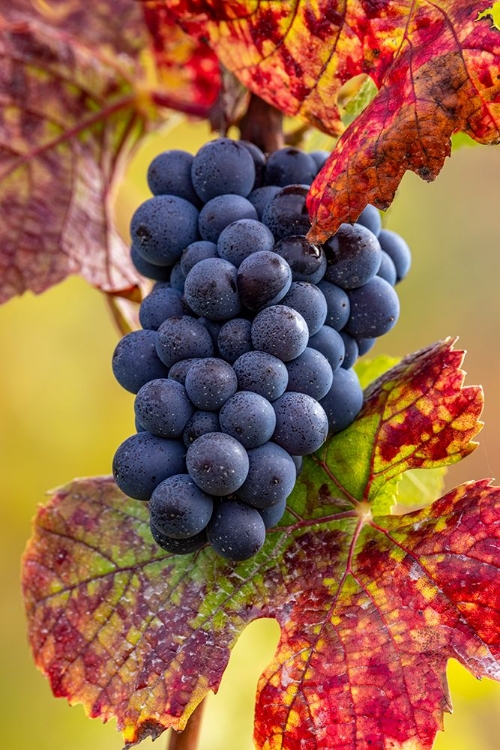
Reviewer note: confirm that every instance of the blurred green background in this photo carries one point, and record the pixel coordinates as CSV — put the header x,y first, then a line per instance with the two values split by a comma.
x,y
62,416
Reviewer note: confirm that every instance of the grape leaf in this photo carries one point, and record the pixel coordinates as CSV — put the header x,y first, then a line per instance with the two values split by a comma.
x,y
69,116
75,98
435,66
370,608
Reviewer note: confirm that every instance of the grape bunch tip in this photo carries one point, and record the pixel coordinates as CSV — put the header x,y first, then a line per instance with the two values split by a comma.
x,y
244,361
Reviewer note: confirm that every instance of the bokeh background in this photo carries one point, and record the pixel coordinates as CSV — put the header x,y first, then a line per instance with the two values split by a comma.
x,y
62,415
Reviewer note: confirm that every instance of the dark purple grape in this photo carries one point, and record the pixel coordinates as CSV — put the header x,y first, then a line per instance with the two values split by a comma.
x,y
160,304
149,270
179,509
301,423
290,165
135,360
308,262
236,531
338,305
162,227
248,417
374,309
370,218
221,167
210,382
397,249
182,337
344,400
195,252
218,463
179,546
242,238
286,214
261,197
310,373
351,351
309,301
163,408
271,477
200,423
261,373
170,174
353,255
221,211
329,342
387,269
143,461
263,279
235,339
280,331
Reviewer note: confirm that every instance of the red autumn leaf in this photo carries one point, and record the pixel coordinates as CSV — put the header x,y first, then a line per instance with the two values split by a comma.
x,y
435,66
370,606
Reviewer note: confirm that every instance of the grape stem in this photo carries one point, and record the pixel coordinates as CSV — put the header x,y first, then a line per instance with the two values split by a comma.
x,y
262,125
188,739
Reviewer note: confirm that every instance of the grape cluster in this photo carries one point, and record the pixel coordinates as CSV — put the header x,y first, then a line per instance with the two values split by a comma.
x,y
244,361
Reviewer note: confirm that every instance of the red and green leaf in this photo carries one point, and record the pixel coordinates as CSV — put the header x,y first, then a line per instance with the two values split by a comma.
x,y
371,606
435,66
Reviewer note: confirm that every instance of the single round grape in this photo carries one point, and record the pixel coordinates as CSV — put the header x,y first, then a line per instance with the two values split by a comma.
x,y
308,262
364,345
135,360
179,546
221,211
353,256
200,423
343,401
263,279
218,463
170,174
221,167
387,269
290,165
337,303
309,301
211,289
370,218
273,515
249,418
320,156
286,214
259,161
351,351
310,373
329,342
280,331
163,408
235,339
196,251
179,509
162,227
262,196
261,373
182,337
236,531
143,461
180,369
213,327
149,270
397,249
298,461
210,382
374,309
160,304
301,423
177,277
271,477
242,238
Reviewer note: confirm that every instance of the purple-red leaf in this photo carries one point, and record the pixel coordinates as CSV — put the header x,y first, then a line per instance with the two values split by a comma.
x,y
69,117
370,606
